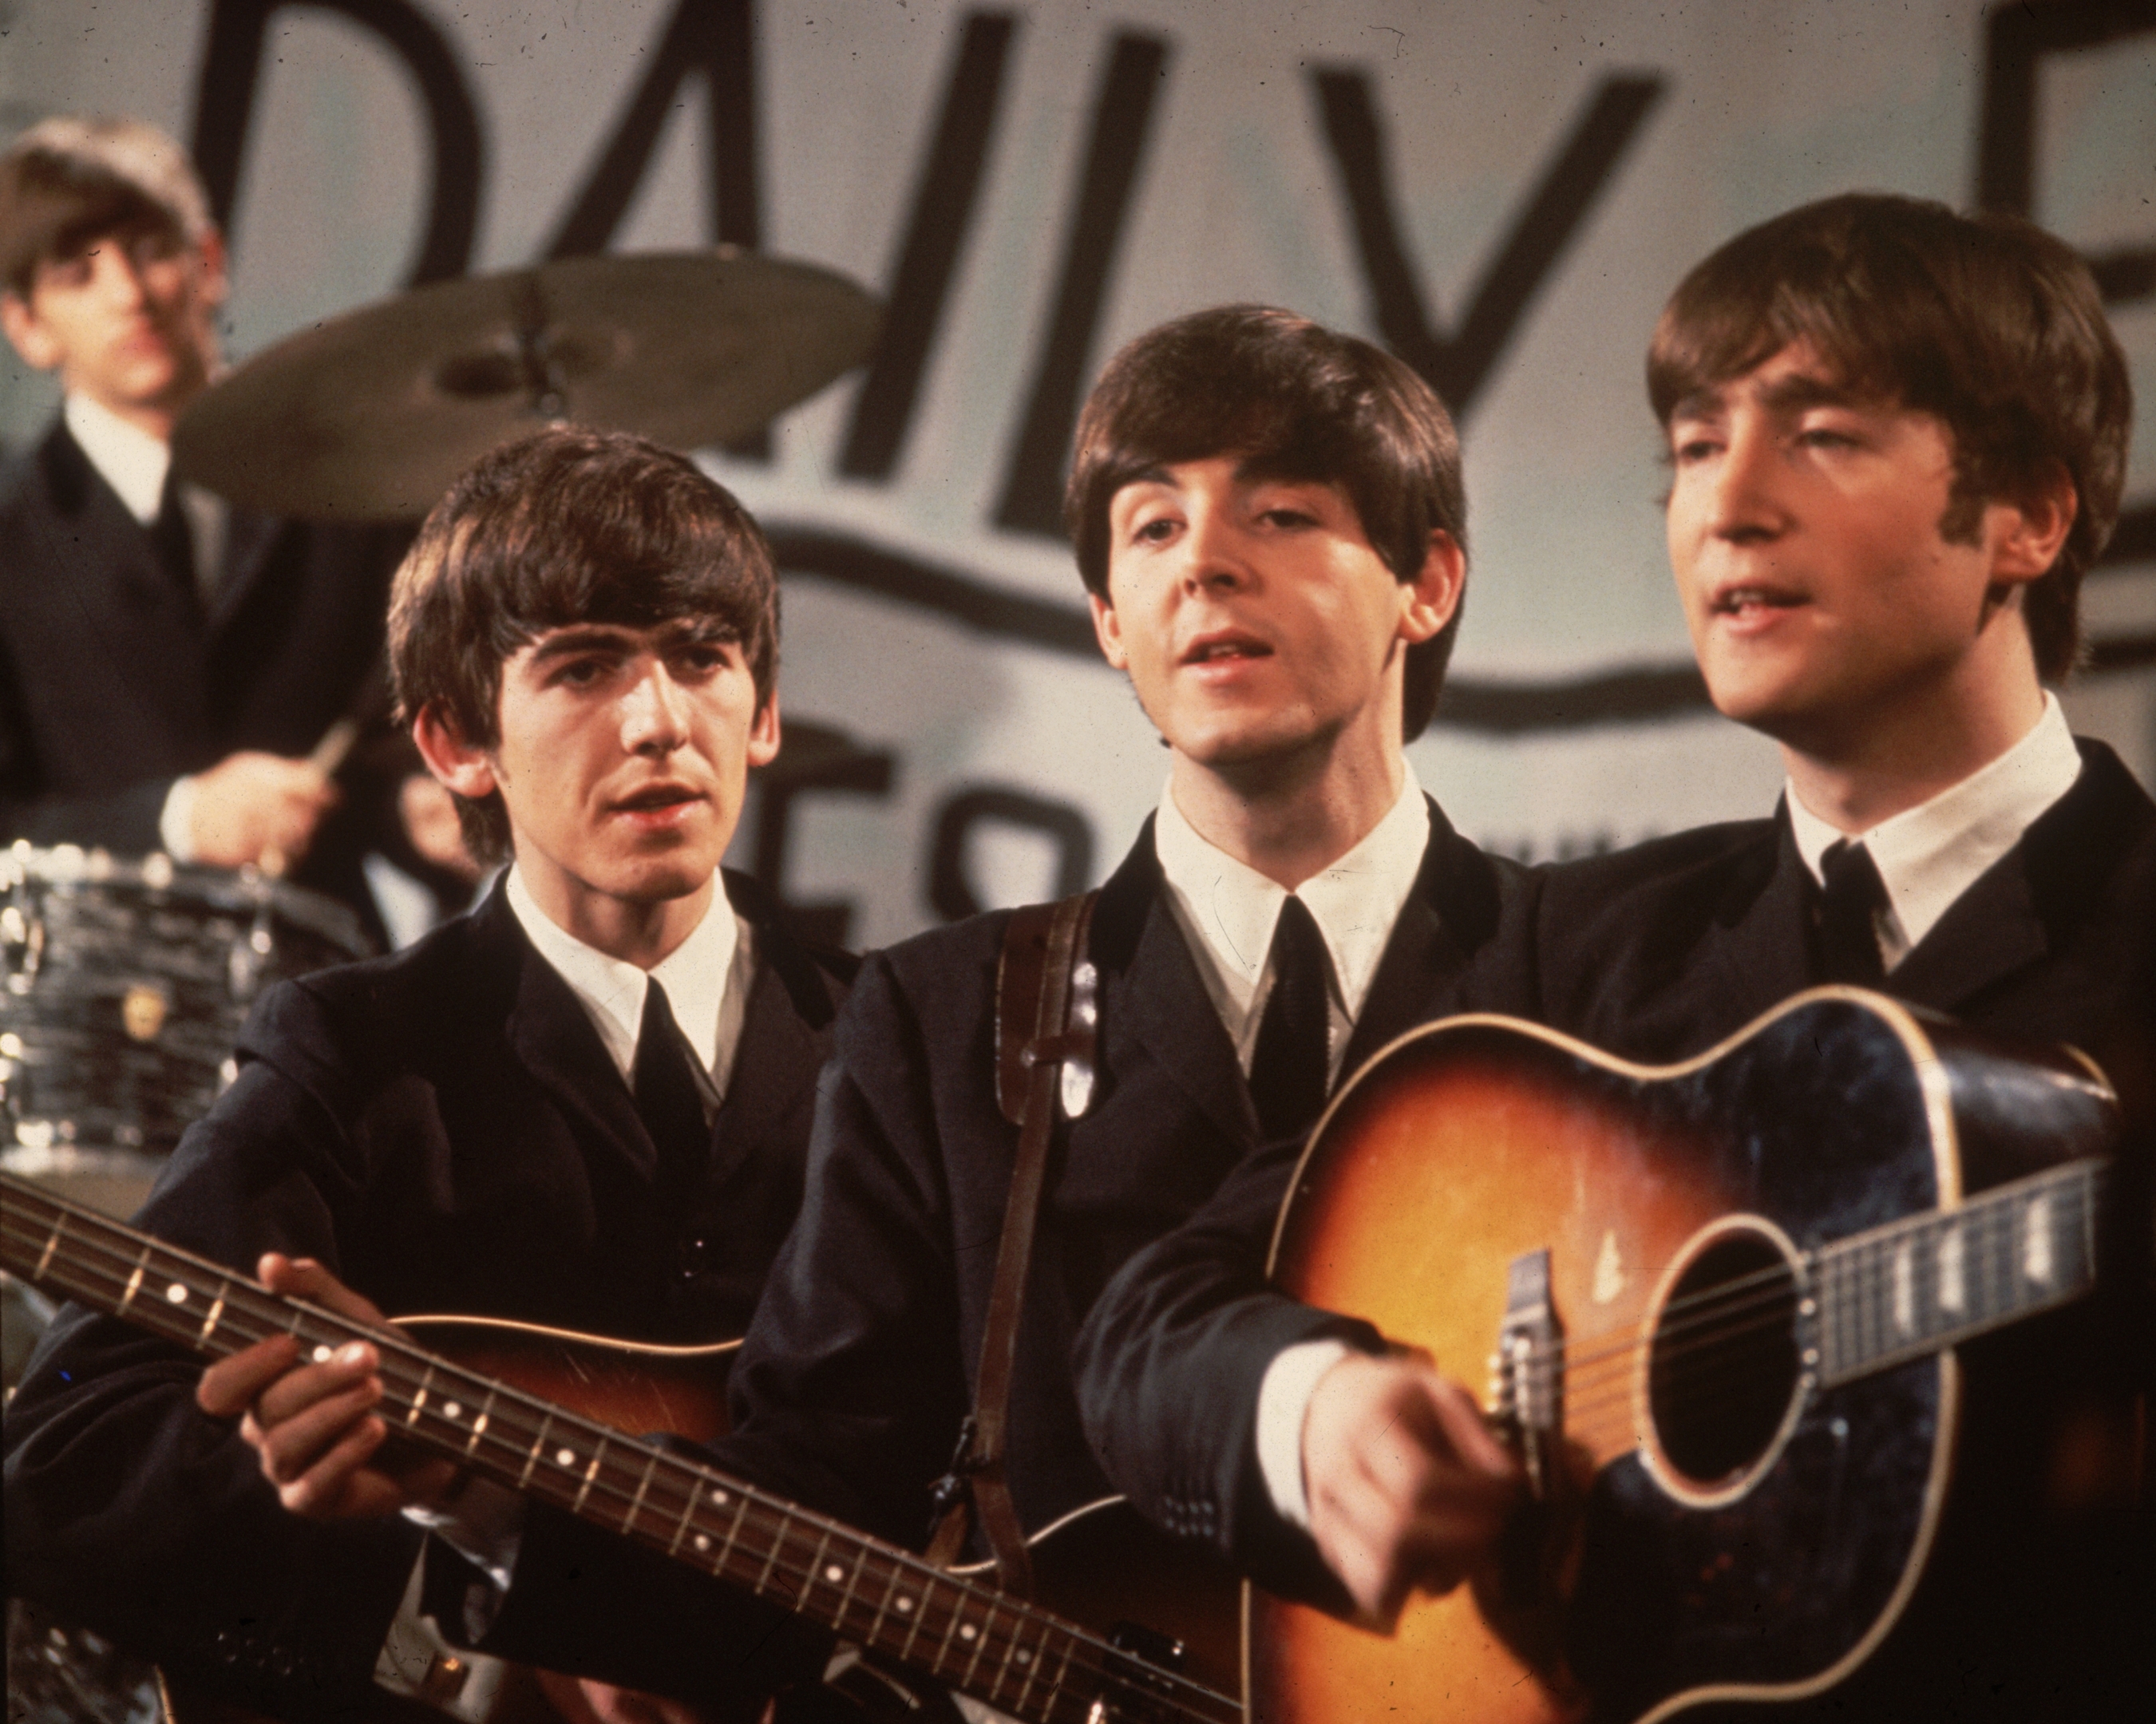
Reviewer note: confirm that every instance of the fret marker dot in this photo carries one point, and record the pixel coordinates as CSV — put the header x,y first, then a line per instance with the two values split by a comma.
x,y
320,1356
1023,1656
703,1540
965,1631
905,1606
176,1293
565,1457
450,1409
834,1573
719,1498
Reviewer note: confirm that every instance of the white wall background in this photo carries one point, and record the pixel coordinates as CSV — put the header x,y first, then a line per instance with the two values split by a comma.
x,y
1236,197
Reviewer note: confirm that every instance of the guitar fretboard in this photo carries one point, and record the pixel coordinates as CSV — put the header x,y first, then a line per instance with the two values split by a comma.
x,y
1918,1284
1016,1658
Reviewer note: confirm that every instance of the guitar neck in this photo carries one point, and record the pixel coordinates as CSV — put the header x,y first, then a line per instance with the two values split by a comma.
x,y
1913,1286
1021,1660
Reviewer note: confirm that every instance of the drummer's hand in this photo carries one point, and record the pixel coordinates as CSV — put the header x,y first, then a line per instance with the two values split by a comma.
x,y
258,808
312,1425
429,813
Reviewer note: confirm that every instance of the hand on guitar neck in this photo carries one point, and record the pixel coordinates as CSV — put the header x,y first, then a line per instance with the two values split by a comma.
x,y
310,1421
1407,1489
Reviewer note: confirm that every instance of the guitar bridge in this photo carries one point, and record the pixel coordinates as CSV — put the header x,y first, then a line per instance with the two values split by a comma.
x,y
1527,1371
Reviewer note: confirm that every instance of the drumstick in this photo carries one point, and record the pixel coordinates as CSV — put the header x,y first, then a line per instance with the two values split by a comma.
x,y
329,754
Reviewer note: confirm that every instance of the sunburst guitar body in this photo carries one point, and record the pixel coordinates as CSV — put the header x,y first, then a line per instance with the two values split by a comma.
x,y
1716,1303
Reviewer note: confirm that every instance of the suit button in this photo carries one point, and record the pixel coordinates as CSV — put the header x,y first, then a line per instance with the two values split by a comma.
x,y
698,1256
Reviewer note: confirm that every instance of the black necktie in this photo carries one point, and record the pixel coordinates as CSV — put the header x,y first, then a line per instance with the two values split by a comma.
x,y
174,535
1293,1058
668,1098
1848,905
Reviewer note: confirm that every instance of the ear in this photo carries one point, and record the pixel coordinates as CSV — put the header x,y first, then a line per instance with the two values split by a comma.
x,y
26,333
209,258
456,763
1108,630
2028,533
763,737
1428,602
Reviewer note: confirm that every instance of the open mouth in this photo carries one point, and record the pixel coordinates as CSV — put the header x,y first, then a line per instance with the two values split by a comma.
x,y
1747,600
1214,648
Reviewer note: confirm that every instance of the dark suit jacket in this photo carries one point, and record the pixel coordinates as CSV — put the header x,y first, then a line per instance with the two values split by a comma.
x,y
2037,1600
1658,952
859,1367
113,683
445,1130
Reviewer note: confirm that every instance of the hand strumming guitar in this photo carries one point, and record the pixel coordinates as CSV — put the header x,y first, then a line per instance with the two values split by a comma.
x,y
1407,1489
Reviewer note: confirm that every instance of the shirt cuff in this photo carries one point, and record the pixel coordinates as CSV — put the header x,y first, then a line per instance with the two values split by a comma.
x,y
176,828
485,1525
1283,1401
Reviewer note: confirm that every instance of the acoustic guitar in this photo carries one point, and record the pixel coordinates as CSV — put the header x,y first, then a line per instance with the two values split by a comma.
x,y
1720,1302
1038,1663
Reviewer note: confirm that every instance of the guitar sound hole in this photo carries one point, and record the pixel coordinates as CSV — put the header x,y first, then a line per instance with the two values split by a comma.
x,y
1724,1363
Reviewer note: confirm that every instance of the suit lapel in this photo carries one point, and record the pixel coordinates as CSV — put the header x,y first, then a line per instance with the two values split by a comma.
x,y
1757,950
116,592
248,539
551,1036
1154,995
1452,910
785,1039
2024,904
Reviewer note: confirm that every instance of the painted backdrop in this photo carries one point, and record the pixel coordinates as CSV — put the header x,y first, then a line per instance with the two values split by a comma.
x,y
1503,195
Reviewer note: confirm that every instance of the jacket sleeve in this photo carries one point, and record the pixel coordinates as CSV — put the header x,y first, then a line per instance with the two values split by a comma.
x,y
1169,1365
134,1513
850,1383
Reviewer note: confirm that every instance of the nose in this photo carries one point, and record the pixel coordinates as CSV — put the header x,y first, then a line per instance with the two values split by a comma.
x,y
1744,502
654,711
120,275
1213,552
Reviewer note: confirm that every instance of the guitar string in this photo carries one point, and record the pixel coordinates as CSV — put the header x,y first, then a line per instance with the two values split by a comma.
x,y
1991,1237
1714,1309
945,1623
1100,1659
1678,1373
1030,1677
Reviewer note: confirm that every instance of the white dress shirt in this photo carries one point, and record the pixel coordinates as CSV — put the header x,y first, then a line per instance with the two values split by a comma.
x,y
1930,854
1227,911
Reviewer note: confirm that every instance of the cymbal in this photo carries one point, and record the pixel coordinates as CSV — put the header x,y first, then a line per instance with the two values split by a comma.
x,y
370,416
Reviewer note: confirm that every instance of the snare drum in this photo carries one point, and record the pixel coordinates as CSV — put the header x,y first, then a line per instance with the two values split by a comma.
x,y
123,984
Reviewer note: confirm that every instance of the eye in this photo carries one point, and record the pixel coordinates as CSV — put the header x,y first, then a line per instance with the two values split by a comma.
x,y
1825,436
580,673
705,658
1286,515
1688,448
1154,530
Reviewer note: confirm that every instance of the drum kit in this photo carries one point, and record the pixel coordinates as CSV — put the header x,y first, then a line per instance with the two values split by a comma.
x,y
124,980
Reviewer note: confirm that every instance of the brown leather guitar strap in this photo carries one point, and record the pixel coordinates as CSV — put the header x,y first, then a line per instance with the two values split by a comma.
x,y
1047,1007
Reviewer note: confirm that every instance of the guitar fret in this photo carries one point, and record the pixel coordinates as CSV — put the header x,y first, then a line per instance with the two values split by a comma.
x,y
687,1511
419,1397
590,1472
815,1569
733,1532
778,1538
52,1243
216,1315
134,1283
532,1460
629,1520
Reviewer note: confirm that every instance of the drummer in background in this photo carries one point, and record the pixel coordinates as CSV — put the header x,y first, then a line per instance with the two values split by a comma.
x,y
584,1104
167,662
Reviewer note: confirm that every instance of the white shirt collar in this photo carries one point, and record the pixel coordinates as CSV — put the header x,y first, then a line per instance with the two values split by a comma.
x,y
126,457
1227,910
1930,854
707,979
